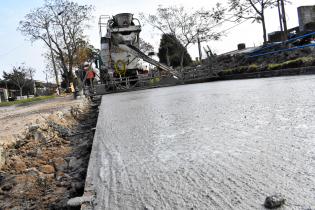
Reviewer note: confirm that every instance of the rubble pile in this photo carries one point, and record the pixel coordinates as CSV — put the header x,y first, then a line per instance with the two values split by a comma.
x,y
47,166
233,61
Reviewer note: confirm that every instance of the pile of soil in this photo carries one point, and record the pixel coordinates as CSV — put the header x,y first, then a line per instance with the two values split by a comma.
x,y
222,62
47,166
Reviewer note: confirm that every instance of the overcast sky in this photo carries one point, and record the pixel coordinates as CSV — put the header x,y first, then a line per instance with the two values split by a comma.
x,y
15,49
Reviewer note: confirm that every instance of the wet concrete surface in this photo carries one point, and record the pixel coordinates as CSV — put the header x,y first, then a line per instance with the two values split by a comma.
x,y
219,145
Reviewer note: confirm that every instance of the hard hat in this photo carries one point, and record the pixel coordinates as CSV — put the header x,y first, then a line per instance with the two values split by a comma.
x,y
86,63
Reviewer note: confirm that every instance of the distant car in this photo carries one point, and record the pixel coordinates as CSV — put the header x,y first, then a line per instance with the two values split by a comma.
x,y
11,98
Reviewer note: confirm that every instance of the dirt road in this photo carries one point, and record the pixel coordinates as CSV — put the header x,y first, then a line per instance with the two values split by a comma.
x,y
221,145
14,119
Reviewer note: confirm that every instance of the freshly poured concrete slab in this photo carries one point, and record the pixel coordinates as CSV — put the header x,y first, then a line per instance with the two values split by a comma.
x,y
219,145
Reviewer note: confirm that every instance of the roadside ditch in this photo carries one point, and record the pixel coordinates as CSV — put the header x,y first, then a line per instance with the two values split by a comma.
x,y
47,165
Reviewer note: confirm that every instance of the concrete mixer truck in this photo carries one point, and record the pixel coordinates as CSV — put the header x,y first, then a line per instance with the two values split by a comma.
x,y
119,60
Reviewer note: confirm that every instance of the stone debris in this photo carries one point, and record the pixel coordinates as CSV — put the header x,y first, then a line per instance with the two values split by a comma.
x,y
33,128
62,131
274,201
78,201
46,167
60,164
2,157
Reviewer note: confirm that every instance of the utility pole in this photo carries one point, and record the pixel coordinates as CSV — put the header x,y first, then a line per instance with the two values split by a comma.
x,y
33,82
284,21
280,19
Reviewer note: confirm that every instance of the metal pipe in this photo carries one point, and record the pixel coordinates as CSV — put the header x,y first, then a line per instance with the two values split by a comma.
x,y
285,50
287,41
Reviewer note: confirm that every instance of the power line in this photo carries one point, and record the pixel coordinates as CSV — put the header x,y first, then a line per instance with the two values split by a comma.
x,y
11,50
233,26
229,19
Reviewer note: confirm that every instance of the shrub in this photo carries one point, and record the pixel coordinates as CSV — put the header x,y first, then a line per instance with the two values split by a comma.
x,y
274,66
253,68
295,63
227,72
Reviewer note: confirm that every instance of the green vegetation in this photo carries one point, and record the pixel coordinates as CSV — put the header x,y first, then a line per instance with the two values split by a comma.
x,y
274,66
299,62
237,70
296,63
171,50
253,68
28,100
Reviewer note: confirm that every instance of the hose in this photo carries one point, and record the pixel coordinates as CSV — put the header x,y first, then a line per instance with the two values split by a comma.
x,y
122,71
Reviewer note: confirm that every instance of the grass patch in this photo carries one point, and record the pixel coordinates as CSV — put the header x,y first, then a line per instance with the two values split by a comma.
x,y
296,63
253,68
274,66
28,100
239,70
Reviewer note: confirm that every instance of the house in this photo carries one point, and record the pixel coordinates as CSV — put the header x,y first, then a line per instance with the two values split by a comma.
x,y
4,96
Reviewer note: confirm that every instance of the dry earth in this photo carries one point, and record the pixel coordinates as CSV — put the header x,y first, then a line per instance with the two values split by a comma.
x,y
14,119
46,152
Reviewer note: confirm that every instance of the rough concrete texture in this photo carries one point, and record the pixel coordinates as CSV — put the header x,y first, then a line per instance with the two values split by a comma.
x,y
220,145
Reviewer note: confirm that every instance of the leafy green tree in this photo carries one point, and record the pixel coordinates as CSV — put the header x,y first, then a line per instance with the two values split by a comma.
x,y
170,51
20,77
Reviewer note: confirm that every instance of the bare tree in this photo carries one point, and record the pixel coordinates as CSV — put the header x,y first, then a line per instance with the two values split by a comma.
x,y
186,25
19,76
252,9
145,47
60,25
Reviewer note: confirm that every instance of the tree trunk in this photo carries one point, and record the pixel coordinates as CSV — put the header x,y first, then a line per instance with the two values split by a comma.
x,y
21,91
167,58
182,59
263,23
70,76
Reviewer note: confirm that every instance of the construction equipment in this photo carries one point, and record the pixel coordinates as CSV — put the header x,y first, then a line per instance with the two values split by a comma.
x,y
119,60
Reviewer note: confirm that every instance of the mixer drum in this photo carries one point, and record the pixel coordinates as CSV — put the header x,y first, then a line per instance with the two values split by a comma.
x,y
123,19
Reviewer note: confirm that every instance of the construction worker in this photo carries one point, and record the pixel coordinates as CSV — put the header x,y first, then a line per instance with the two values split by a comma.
x,y
146,70
89,74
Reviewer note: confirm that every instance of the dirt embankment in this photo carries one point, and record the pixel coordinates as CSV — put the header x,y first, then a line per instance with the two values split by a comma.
x,y
14,119
47,164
